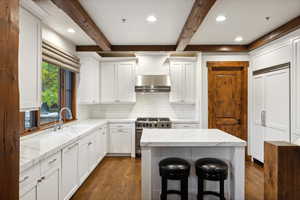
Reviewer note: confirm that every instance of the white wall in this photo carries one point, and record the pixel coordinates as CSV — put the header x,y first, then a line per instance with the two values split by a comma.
x,y
54,38
148,105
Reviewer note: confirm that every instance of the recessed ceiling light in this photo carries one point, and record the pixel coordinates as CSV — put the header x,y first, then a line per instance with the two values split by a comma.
x,y
70,30
151,19
238,39
220,18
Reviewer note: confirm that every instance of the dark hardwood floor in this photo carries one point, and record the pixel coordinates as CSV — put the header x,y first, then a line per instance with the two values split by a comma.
x,y
120,179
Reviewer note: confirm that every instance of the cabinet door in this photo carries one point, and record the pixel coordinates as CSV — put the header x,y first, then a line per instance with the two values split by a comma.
x,y
277,105
83,159
102,143
29,61
105,141
177,88
189,83
31,194
126,82
257,143
296,89
93,155
69,171
89,81
49,187
120,140
108,81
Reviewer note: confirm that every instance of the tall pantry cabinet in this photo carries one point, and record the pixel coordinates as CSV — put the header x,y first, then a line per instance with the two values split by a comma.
x,y
295,89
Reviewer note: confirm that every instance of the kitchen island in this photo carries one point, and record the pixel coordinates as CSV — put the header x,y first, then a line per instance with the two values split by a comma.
x,y
192,144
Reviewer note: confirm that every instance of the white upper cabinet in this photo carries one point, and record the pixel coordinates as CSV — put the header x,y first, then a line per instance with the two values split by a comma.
x,y
182,82
29,61
89,92
108,82
117,82
126,82
296,89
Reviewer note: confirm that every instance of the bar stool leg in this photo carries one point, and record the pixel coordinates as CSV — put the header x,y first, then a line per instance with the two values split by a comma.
x,y
164,188
200,188
184,189
222,196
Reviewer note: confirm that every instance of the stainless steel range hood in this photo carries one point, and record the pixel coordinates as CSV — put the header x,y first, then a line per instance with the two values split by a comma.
x,y
153,84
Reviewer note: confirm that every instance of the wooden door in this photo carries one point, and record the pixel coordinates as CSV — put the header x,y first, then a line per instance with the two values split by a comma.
x,y
227,97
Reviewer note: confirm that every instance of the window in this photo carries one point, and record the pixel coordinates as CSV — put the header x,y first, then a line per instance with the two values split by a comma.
x,y
51,89
58,89
30,120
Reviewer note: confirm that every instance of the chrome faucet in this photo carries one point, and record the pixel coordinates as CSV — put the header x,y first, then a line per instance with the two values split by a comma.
x,y
60,123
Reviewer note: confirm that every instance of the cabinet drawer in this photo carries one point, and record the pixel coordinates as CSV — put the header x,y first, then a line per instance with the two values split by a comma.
x,y
186,126
113,126
50,163
120,130
29,177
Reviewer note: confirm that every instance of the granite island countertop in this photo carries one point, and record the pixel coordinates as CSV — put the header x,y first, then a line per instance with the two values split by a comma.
x,y
188,138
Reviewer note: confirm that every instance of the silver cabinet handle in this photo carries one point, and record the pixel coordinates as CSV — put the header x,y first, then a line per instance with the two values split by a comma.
x,y
263,118
24,179
52,161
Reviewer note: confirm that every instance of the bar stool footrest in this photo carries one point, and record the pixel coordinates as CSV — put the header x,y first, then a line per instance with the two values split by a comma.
x,y
173,192
211,193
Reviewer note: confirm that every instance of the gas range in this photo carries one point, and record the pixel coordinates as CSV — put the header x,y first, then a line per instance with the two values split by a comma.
x,y
148,122
152,122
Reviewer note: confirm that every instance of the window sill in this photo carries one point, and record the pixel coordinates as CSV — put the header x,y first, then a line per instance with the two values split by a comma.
x,y
43,127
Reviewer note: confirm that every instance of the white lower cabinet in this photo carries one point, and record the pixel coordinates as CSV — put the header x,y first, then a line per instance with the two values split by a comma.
x,y
83,159
101,143
59,176
120,138
69,170
31,194
42,181
48,188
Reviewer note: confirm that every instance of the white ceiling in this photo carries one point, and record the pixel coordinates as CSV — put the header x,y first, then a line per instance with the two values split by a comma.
x,y
108,14
245,18
60,23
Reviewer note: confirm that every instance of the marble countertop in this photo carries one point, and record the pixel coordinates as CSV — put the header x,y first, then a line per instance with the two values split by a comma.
x,y
188,138
41,145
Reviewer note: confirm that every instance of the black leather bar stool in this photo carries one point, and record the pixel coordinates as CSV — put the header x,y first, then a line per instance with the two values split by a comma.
x,y
211,169
174,169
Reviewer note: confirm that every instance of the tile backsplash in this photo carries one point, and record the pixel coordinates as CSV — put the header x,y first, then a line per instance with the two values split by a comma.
x,y
147,105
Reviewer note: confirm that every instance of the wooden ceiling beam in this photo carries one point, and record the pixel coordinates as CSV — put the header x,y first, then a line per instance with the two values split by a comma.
x,y
76,12
167,48
197,15
217,48
275,34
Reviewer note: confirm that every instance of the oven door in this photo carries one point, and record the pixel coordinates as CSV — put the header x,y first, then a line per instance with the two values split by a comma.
x,y
138,135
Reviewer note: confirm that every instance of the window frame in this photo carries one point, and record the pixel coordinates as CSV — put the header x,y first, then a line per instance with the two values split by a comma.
x,y
40,127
